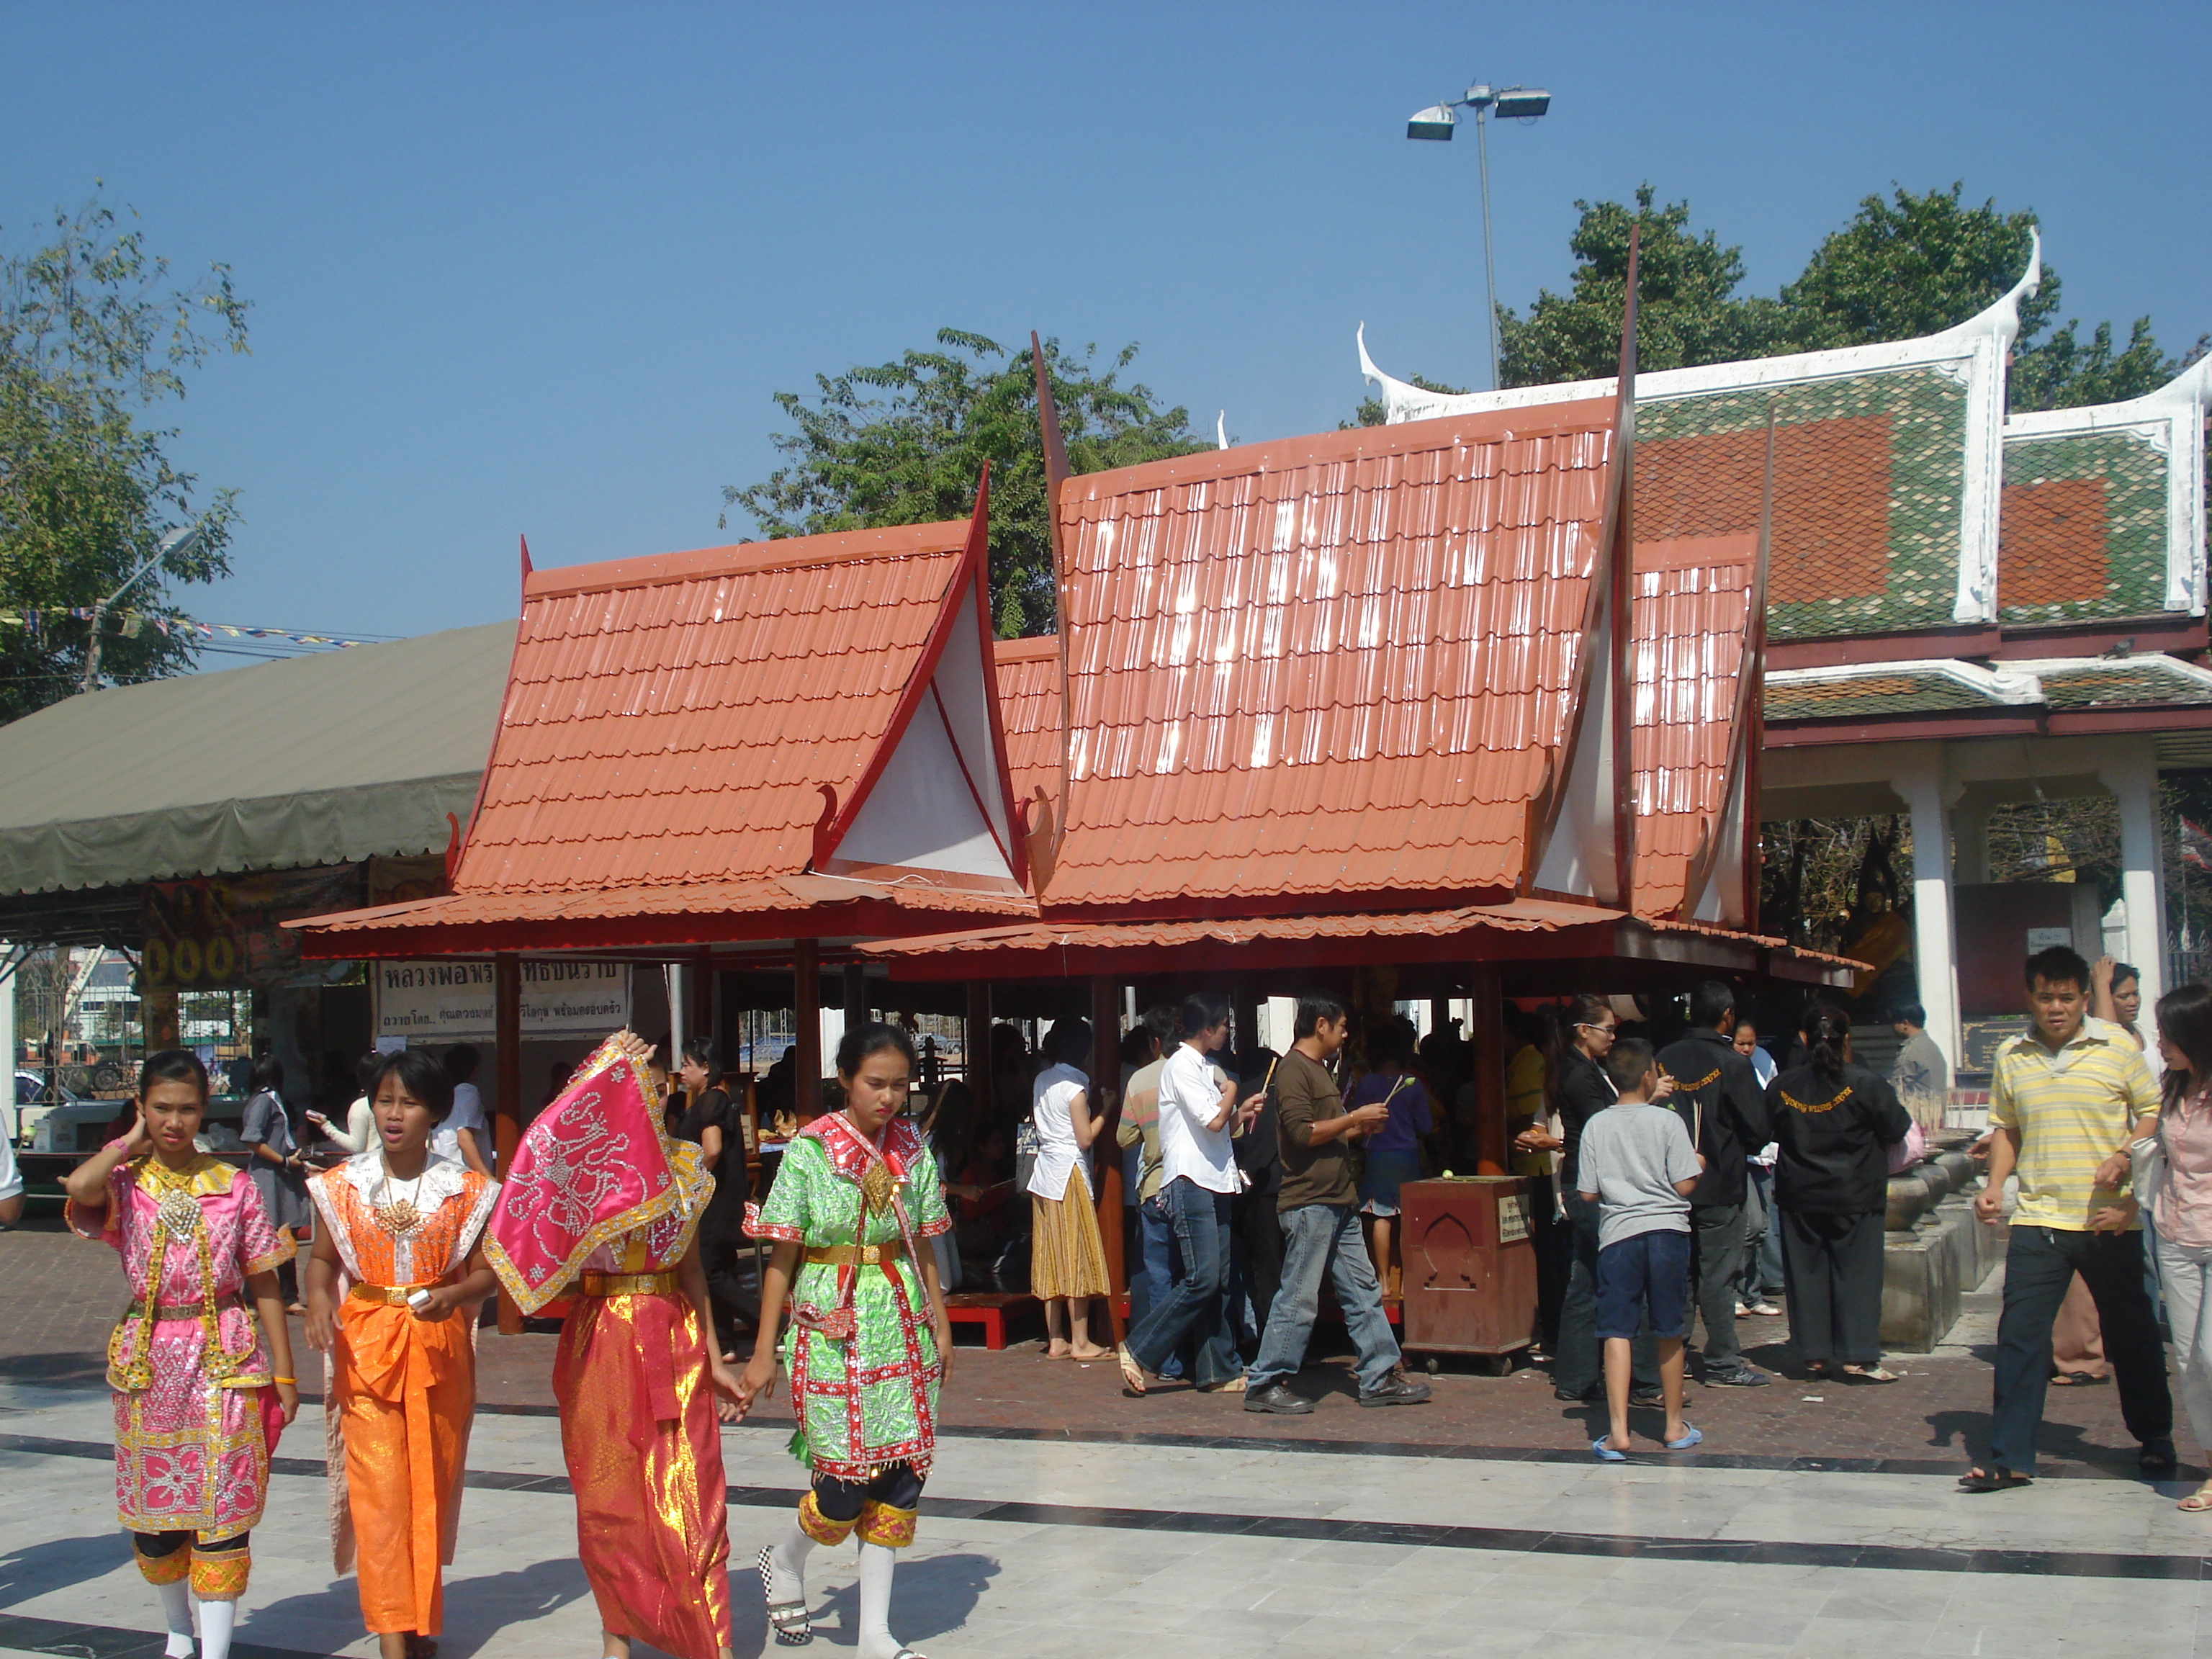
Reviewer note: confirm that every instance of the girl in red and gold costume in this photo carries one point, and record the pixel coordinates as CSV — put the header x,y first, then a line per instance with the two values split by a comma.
x,y
203,1382
601,1204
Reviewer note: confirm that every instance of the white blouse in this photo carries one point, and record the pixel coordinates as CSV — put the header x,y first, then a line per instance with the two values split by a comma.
x,y
1058,1151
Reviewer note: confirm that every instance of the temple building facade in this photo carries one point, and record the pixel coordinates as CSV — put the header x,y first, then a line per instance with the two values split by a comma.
x,y
1965,611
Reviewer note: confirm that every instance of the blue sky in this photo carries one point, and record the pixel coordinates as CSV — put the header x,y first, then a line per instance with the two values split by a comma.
x,y
539,268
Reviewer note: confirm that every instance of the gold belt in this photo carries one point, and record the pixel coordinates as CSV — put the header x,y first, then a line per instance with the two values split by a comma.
x,y
393,1296
659,1284
136,1309
854,1256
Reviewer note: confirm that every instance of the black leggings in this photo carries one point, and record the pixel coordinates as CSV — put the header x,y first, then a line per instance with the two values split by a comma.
x,y
160,1546
897,1487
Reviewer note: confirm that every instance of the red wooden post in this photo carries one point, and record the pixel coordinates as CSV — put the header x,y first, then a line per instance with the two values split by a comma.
x,y
1106,1091
806,1018
1487,1031
506,1083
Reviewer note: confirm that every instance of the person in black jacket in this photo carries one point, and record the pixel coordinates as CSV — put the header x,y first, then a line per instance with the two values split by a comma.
x,y
1718,1096
1833,1122
1575,1084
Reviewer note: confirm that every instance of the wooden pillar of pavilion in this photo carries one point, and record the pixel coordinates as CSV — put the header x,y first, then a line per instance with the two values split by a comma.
x,y
975,1048
856,995
1487,1031
1106,1093
806,1029
506,1083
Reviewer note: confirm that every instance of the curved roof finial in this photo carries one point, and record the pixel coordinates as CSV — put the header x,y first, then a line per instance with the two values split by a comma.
x,y
2002,317
1221,429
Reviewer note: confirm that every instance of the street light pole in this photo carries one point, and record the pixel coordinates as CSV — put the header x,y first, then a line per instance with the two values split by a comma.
x,y
1436,123
176,541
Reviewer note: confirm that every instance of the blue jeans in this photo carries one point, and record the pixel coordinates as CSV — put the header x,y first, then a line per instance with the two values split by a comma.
x,y
1198,1307
1762,1238
1319,1238
1158,1268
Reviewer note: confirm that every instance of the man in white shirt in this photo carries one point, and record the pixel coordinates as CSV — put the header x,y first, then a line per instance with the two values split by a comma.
x,y
465,1135
11,1185
1198,1176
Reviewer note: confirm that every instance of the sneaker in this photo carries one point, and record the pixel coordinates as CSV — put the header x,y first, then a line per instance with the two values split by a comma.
x,y
1766,1310
1743,1376
1278,1398
1397,1391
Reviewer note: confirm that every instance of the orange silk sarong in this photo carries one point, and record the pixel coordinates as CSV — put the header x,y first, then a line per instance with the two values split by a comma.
x,y
404,1389
645,1457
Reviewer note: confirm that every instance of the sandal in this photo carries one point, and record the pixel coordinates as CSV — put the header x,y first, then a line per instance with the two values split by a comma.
x,y
788,1620
1132,1374
422,1647
1691,1436
2157,1457
2198,1501
1867,1374
1605,1454
1996,1478
2076,1379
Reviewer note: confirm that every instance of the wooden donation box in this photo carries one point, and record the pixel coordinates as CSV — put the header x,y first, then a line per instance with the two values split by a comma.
x,y
1470,1265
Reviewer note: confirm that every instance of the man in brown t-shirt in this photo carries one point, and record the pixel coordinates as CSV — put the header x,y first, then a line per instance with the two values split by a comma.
x,y
1319,1206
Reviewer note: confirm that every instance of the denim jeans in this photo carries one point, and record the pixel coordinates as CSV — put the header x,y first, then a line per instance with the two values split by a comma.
x,y
1198,1307
1158,1268
2040,1263
1317,1239
1762,1238
1577,1369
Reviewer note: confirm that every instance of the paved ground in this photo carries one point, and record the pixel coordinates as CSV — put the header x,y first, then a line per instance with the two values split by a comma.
x,y
1064,1518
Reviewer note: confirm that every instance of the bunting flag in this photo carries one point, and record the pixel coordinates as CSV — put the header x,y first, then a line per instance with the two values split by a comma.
x,y
130,623
2196,845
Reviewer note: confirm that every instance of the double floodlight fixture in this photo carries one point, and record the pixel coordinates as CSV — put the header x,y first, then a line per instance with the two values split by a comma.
x,y
1509,103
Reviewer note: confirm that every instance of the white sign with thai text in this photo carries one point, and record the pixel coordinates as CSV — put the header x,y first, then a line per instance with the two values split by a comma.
x,y
445,1001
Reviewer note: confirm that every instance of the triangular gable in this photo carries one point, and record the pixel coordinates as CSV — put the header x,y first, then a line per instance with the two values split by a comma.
x,y
1582,832
936,799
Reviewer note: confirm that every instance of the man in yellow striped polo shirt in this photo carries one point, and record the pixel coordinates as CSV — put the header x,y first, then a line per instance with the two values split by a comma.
x,y
2065,1099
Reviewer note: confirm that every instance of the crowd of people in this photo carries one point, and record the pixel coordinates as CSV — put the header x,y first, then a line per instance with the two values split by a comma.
x,y
1664,1167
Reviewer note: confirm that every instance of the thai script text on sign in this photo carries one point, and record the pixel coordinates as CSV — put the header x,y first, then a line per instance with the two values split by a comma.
x,y
434,1001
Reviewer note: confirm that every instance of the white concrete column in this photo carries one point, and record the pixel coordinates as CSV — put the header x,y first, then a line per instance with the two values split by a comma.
x,y
1928,796
8,1040
672,976
2131,775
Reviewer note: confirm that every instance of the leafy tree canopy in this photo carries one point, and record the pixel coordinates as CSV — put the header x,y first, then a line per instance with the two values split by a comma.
x,y
1905,266
93,334
904,443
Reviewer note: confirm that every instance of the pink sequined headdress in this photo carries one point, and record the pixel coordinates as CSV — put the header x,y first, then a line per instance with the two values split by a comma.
x,y
596,1163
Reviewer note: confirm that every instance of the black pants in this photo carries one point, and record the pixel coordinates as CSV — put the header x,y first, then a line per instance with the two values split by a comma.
x,y
1578,1367
1831,1271
1716,1263
1554,1244
898,1486
1260,1236
2040,1262
732,1275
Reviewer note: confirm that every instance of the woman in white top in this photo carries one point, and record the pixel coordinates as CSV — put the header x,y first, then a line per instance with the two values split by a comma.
x,y
2181,1204
360,1132
1068,1260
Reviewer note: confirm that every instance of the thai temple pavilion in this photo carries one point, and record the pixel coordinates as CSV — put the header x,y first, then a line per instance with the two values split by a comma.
x,y
1965,610
1472,698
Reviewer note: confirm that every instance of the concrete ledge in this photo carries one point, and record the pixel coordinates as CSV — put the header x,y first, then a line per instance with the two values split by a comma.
x,y
1926,1271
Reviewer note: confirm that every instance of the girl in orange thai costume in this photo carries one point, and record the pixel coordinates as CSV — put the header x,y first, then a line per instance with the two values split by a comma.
x,y
601,1204
857,1194
396,1259
203,1384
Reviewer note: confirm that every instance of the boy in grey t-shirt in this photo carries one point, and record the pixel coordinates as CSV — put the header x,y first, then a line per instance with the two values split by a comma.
x,y
1637,1165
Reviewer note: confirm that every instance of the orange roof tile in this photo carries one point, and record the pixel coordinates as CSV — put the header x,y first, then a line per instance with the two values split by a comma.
x,y
2052,542
1326,668
1693,627
1028,704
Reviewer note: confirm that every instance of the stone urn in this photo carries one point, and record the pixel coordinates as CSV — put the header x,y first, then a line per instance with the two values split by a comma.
x,y
1961,1168
1909,1195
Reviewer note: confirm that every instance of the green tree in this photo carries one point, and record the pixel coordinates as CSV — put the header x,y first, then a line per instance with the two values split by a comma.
x,y
93,334
903,442
1688,310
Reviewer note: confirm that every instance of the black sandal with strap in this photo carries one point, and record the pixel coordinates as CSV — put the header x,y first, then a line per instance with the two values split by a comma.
x,y
1996,1478
788,1620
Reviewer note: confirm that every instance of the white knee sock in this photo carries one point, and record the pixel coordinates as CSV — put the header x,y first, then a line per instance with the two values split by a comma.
x,y
176,1608
786,1566
215,1619
877,1563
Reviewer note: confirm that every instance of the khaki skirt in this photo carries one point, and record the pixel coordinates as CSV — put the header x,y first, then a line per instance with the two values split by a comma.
x,y
1066,1256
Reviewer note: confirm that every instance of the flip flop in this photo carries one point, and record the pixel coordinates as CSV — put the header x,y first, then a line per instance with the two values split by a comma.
x,y
1692,1435
1996,1478
1605,1454
2076,1379
1132,1374
1867,1374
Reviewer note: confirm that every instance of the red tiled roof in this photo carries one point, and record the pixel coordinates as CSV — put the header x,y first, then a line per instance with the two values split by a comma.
x,y
1028,705
2052,542
1326,668
1692,623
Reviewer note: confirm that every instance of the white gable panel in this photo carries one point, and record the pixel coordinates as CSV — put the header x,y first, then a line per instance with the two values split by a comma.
x,y
921,814
962,682
1580,859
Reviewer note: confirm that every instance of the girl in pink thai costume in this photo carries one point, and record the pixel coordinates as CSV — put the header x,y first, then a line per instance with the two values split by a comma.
x,y
204,1383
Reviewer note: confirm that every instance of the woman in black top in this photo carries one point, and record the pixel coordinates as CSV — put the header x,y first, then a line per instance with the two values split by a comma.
x,y
711,1120
1834,1125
